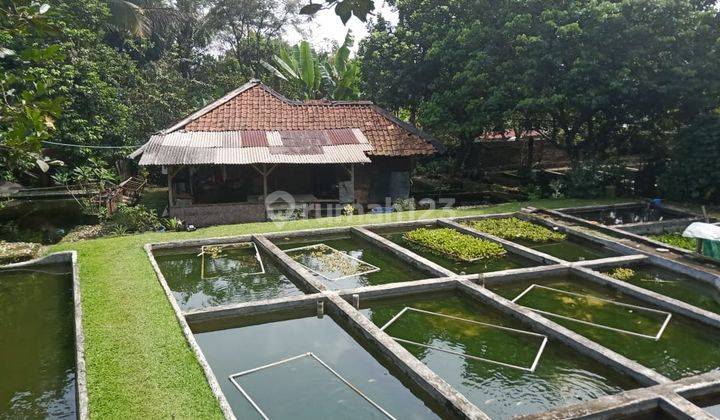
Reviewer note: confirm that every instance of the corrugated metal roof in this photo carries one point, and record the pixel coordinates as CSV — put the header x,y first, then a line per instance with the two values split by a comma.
x,y
248,147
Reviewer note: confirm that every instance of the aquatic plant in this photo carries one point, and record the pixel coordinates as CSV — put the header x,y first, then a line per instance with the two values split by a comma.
x,y
676,239
621,273
514,228
451,243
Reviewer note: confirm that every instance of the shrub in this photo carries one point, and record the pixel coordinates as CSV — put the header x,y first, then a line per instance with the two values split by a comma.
x,y
449,242
677,240
693,170
173,223
622,273
134,219
585,180
514,228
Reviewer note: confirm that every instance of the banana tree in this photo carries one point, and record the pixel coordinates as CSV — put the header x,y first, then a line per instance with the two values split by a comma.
x,y
300,67
342,74
337,77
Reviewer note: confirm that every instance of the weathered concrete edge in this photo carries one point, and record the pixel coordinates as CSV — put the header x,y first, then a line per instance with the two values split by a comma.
x,y
611,261
498,277
681,408
665,302
81,391
199,355
256,307
297,272
83,406
403,253
428,380
513,247
585,346
383,291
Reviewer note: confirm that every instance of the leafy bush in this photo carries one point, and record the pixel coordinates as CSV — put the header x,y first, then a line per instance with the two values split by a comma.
x,y
693,170
514,228
134,219
621,273
585,180
173,223
677,240
449,242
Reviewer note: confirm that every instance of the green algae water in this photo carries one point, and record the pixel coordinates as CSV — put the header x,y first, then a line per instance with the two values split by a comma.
x,y
232,276
685,348
561,377
37,336
675,285
303,388
571,249
375,266
506,262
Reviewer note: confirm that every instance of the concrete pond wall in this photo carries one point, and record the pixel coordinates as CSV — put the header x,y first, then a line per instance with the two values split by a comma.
x,y
656,394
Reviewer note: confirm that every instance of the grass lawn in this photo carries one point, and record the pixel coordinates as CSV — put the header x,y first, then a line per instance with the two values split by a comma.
x,y
138,363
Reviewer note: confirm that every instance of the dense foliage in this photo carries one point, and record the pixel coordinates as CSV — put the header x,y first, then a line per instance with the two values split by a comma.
x,y
596,78
693,171
621,273
453,244
514,228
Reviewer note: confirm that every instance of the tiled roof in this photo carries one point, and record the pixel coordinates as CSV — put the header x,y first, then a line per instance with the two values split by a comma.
x,y
256,107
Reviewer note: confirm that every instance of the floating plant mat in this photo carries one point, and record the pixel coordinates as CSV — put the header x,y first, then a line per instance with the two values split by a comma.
x,y
490,340
329,263
590,310
453,244
238,259
512,228
301,378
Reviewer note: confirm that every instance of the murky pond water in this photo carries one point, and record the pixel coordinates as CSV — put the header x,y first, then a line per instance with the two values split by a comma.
x,y
37,343
200,280
304,388
367,265
561,376
684,348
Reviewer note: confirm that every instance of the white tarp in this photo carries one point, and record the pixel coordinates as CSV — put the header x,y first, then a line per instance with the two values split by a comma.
x,y
701,230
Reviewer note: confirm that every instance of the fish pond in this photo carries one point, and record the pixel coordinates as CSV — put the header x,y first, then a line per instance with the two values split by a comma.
x,y
214,275
621,215
442,330
669,283
37,332
291,365
673,345
347,261
484,265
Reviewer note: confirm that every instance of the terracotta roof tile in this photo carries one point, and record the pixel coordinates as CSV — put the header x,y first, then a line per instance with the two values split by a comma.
x,y
258,107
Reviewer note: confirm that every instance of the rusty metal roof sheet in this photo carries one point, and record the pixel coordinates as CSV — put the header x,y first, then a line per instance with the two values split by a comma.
x,y
248,147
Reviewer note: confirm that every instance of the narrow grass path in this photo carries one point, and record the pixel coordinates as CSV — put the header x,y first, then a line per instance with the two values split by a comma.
x,y
138,363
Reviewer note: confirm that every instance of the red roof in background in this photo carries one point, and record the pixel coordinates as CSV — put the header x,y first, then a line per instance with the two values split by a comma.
x,y
507,134
255,106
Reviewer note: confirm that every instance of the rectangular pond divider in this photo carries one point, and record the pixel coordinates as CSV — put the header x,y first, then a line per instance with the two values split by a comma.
x,y
531,368
215,252
665,320
234,378
329,263
342,305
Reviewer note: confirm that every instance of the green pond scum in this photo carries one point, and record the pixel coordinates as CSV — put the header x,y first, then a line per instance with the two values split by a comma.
x,y
486,265
376,266
37,332
304,388
685,348
675,285
217,277
562,376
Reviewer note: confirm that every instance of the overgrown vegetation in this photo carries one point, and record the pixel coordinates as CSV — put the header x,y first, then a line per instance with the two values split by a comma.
x,y
677,240
451,243
513,228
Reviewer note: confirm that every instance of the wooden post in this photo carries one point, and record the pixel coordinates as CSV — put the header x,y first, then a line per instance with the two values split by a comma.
x,y
352,181
170,176
264,175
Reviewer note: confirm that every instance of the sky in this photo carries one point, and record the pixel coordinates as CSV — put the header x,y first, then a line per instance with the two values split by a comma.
x,y
326,27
